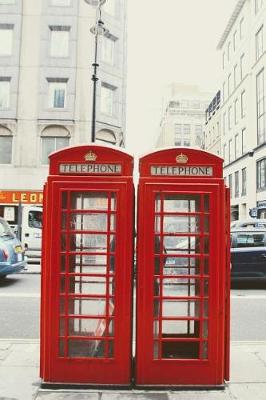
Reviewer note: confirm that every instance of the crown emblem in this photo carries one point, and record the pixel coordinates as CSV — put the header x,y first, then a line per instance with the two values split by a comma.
x,y
90,156
182,159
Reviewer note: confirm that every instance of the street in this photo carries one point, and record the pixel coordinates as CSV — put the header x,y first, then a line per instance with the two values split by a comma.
x,y
20,304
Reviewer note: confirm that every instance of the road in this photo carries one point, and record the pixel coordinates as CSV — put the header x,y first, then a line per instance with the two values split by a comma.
x,y
20,303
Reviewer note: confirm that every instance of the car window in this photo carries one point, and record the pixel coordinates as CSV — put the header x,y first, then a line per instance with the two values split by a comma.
x,y
249,240
35,219
5,229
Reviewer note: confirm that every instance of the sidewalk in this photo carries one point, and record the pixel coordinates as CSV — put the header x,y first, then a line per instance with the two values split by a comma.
x,y
19,377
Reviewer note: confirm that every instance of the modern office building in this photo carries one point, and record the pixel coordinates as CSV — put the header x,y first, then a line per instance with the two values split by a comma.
x,y
242,113
46,56
183,117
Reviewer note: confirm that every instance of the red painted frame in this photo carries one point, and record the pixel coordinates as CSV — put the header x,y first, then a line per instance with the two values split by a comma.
x,y
214,370
87,370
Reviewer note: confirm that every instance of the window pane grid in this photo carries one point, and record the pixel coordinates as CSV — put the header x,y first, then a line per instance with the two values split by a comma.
x,y
181,283
87,280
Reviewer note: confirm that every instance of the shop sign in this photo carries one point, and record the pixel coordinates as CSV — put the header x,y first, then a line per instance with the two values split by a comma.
x,y
24,197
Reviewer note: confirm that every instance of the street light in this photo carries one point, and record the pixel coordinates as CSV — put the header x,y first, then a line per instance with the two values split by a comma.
x,y
96,30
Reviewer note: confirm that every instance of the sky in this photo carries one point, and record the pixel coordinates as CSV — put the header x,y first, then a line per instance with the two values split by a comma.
x,y
169,41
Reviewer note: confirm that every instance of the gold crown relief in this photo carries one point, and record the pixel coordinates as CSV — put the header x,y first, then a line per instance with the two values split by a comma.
x,y
182,159
90,156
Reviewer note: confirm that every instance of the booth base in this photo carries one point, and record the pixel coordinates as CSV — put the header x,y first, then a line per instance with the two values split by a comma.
x,y
82,386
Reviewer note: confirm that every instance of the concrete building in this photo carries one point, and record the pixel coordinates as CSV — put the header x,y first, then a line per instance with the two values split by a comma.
x,y
242,114
46,52
183,116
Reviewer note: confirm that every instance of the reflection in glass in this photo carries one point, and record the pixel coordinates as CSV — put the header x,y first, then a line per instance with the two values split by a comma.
x,y
181,203
177,327
181,266
181,244
181,223
90,285
86,348
181,308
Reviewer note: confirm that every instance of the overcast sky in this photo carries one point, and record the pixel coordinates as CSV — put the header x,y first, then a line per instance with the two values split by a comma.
x,y
169,41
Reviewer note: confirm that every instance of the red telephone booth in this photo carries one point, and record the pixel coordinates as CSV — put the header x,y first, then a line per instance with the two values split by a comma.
x,y
183,270
87,267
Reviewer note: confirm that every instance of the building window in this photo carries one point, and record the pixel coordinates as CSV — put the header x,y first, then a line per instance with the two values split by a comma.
x,y
244,181
258,5
108,50
107,99
50,144
178,129
61,3
57,93
235,40
5,149
261,174
237,184
231,185
243,104
187,142
236,111
237,146
241,28
228,51
235,76
224,123
224,153
230,117
230,151
110,7
177,142
229,84
243,141
6,39
186,129
261,135
223,60
4,93
224,91
242,67
259,43
59,44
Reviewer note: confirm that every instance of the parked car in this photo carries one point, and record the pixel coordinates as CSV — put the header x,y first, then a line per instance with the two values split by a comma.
x,y
12,257
248,254
249,223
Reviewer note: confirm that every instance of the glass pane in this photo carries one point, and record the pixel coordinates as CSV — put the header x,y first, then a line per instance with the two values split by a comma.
x,y
177,327
63,264
206,203
175,287
81,306
86,348
205,350
181,223
86,222
181,203
181,266
180,350
89,242
90,264
180,244
64,200
61,347
87,327
181,308
90,285
89,201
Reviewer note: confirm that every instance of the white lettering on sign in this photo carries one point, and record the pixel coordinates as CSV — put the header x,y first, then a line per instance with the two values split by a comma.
x,y
105,169
166,170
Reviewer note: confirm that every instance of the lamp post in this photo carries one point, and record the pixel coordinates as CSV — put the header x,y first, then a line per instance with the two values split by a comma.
x,y
97,30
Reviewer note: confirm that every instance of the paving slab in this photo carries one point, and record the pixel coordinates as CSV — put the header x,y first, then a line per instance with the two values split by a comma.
x,y
21,355
201,395
246,364
135,395
248,391
18,383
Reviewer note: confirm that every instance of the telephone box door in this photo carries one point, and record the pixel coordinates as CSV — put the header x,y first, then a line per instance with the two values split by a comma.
x,y
180,289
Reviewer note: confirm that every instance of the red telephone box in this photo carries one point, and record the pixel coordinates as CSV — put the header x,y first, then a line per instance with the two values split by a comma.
x,y
183,270
87,267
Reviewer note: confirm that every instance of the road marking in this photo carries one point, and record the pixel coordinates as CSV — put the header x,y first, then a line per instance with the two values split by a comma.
x,y
26,295
248,296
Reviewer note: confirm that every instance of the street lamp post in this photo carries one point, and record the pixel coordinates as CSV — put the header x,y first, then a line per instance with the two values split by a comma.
x,y
97,30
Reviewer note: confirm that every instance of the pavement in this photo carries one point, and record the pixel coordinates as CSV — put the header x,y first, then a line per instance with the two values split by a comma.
x,y
19,375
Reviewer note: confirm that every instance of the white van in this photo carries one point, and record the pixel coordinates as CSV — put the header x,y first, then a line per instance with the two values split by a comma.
x,y
31,232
